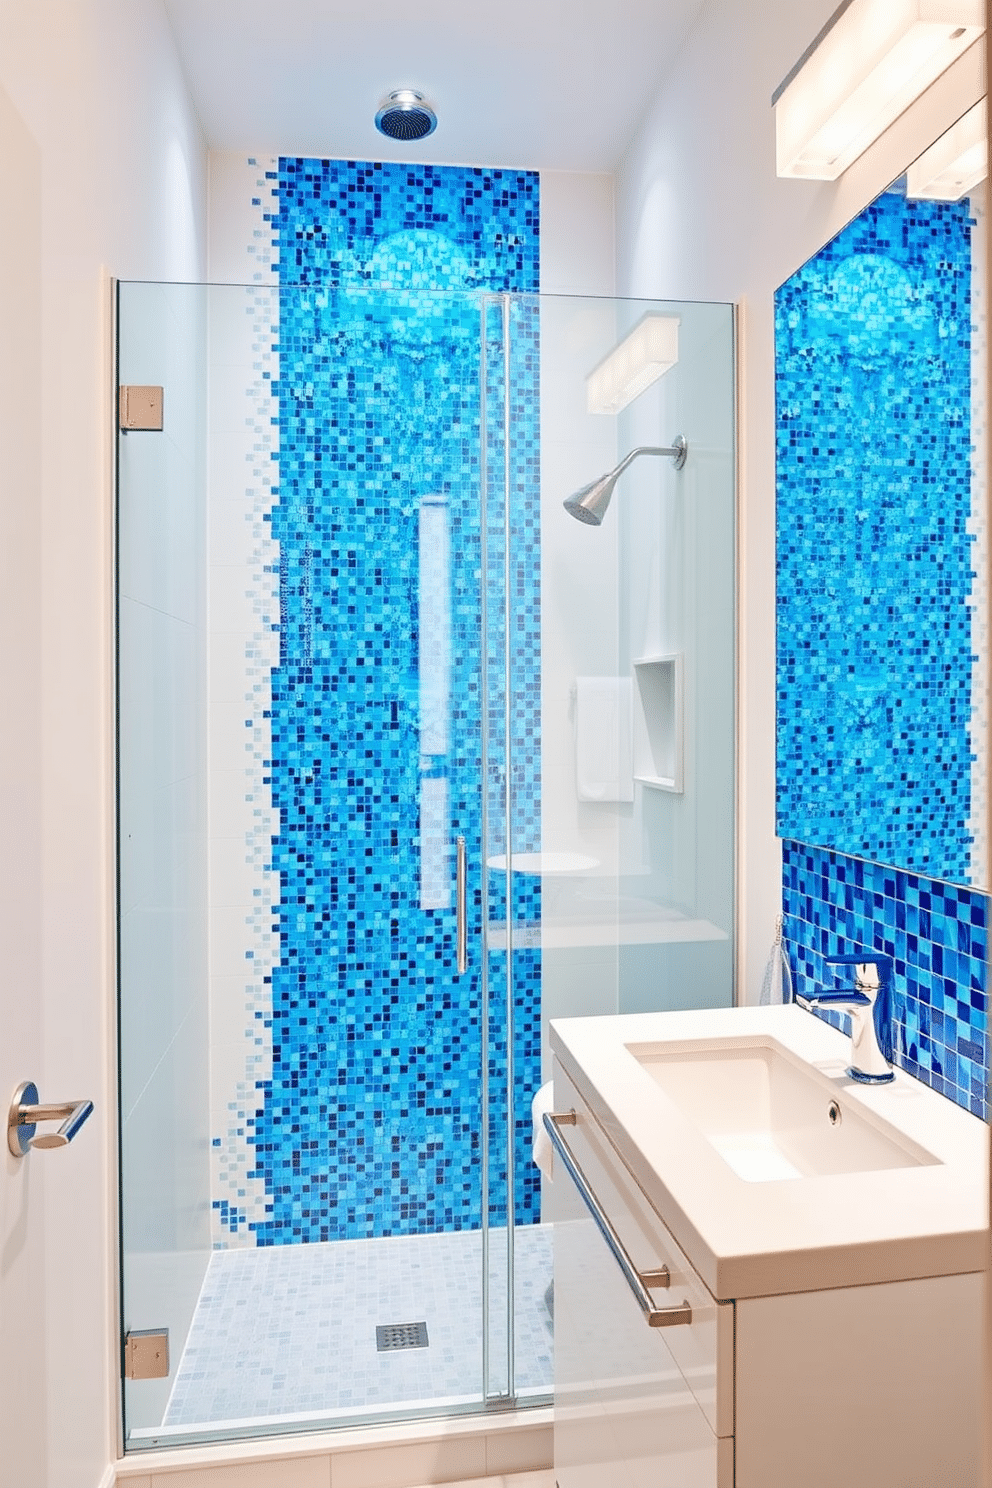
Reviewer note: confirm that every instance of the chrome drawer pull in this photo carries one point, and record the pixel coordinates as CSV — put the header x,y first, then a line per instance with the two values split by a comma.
x,y
638,1281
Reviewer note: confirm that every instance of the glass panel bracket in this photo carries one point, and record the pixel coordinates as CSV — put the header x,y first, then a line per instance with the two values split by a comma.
x,y
146,1354
141,407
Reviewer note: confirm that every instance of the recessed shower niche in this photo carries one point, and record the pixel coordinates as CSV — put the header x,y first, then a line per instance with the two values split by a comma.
x,y
659,722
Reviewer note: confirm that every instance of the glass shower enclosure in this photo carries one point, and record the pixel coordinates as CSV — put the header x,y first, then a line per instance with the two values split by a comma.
x,y
410,762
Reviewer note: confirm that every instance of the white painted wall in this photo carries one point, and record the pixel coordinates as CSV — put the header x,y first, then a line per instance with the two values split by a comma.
x,y
23,1408
701,215
103,168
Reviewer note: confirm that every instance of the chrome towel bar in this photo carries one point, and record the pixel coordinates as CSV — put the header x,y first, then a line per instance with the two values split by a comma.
x,y
638,1281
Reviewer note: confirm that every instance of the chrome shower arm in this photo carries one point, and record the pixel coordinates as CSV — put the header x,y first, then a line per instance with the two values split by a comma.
x,y
676,452
589,504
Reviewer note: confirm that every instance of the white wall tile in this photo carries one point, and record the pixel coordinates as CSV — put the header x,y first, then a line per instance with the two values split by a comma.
x,y
579,568
232,526
231,740
230,790
232,218
233,587
228,940
233,338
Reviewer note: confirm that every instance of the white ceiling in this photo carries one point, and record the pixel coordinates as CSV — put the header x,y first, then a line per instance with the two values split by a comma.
x,y
544,84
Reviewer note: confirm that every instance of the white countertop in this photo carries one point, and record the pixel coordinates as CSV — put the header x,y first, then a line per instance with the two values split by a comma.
x,y
760,1239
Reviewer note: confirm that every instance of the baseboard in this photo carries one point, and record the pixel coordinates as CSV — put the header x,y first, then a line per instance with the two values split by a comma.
x,y
453,1451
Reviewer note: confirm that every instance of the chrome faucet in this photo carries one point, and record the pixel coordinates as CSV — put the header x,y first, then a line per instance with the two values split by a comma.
x,y
870,1007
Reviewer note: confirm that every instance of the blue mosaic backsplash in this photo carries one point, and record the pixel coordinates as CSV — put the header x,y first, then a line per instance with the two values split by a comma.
x,y
875,566
371,1124
937,936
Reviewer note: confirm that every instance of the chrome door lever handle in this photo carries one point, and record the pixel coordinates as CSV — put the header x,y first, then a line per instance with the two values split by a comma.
x,y
26,1113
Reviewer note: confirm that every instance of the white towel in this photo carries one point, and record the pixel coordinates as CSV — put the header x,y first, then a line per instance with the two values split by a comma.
x,y
542,1151
604,755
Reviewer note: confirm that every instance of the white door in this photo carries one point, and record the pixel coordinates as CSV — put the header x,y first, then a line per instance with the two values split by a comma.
x,y
23,1449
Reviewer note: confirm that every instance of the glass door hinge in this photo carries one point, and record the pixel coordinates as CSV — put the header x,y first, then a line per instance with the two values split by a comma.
x,y
140,407
146,1354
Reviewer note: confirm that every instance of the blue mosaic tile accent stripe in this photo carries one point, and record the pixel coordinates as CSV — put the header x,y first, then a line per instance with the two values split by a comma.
x,y
875,568
371,1123
937,935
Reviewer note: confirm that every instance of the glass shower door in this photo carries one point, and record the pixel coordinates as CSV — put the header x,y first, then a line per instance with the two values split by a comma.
x,y
301,763
163,856
361,641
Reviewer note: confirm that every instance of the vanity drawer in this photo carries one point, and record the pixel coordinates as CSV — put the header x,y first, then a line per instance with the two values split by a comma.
x,y
691,1364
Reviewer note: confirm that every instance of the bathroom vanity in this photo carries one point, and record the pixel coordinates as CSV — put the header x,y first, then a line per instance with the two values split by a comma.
x,y
782,1283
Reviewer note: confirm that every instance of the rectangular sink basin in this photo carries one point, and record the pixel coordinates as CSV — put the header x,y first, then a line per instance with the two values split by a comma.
x,y
769,1115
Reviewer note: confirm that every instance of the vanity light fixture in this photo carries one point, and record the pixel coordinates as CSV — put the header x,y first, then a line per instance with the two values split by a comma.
x,y
644,355
955,163
872,59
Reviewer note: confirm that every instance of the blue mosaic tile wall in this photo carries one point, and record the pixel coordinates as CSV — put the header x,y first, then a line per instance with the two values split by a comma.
x,y
937,935
873,480
371,1123
512,580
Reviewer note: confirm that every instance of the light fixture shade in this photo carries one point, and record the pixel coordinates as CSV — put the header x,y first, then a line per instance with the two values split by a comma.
x,y
644,355
955,163
868,64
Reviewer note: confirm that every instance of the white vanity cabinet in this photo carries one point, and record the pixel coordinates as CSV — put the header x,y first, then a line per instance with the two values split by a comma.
x,y
635,1406
875,1385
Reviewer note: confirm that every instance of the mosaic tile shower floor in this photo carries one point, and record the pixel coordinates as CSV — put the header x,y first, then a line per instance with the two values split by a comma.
x,y
290,1330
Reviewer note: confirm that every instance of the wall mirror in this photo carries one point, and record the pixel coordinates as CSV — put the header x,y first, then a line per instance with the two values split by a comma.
x,y
882,532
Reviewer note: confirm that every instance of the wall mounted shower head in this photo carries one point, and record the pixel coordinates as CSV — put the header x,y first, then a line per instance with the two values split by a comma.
x,y
589,504
405,116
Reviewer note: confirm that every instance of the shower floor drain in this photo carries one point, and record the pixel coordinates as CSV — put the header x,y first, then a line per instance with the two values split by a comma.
x,y
389,1336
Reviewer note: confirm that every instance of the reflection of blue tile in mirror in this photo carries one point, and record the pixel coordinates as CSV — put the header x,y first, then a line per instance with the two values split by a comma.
x,y
874,554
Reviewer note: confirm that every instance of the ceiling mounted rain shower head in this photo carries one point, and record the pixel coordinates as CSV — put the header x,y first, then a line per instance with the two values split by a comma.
x,y
405,116
589,504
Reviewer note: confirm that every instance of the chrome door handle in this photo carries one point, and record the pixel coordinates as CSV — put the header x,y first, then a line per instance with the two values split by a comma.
x,y
461,878
26,1113
638,1281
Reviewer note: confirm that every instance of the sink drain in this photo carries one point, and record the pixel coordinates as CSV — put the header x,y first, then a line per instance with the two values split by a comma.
x,y
390,1336
834,1115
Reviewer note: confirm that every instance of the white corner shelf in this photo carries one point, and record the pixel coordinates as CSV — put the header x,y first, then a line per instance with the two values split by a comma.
x,y
658,722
